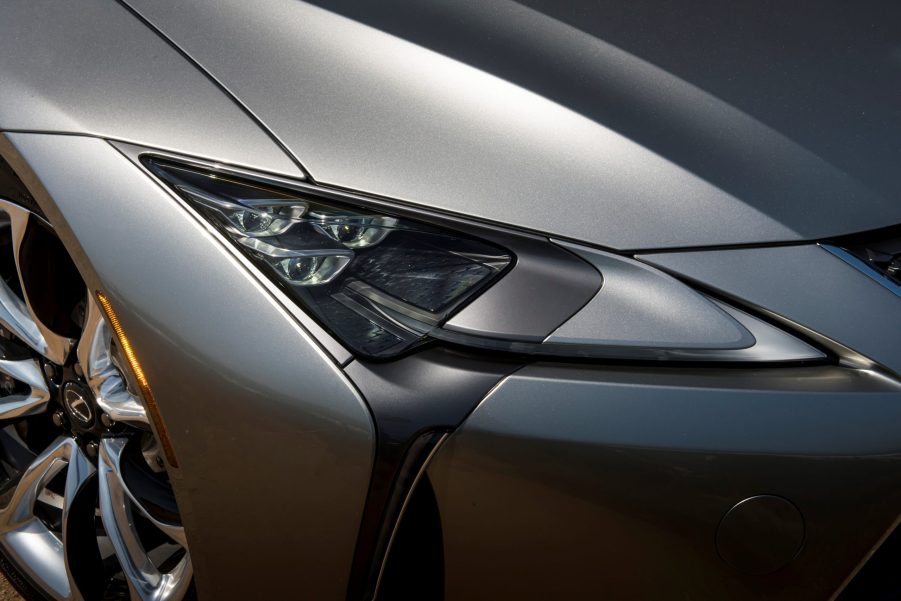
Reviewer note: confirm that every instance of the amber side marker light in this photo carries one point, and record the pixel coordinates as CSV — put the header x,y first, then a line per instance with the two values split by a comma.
x,y
127,349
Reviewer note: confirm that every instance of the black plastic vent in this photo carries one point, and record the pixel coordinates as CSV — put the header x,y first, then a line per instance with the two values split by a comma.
x,y
880,578
880,250
414,569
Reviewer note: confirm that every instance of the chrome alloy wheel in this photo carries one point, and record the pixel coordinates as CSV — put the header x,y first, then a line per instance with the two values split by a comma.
x,y
86,508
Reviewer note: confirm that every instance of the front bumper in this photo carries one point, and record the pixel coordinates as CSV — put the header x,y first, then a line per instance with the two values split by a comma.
x,y
572,481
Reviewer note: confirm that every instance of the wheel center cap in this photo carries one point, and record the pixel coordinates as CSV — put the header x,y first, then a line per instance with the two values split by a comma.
x,y
79,404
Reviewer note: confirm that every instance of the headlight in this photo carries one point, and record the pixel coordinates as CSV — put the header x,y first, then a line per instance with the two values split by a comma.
x,y
380,283
383,282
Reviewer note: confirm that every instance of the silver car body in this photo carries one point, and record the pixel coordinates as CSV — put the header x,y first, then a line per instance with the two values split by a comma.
x,y
566,480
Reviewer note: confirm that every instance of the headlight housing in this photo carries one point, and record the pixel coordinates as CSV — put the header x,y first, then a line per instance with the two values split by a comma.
x,y
384,279
380,283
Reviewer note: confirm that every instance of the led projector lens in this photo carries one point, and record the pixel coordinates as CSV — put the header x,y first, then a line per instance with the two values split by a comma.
x,y
379,283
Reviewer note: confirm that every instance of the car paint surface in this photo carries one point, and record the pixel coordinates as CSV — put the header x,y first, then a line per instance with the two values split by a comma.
x,y
805,285
500,111
644,126
571,482
264,423
92,68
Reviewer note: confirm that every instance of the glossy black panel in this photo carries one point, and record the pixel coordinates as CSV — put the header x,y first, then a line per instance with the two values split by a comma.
x,y
414,401
546,287
879,578
414,568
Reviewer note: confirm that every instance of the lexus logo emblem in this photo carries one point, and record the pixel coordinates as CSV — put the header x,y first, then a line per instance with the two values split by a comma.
x,y
78,406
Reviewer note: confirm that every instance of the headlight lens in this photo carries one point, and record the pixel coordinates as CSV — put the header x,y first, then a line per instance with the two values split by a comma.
x,y
378,282
383,283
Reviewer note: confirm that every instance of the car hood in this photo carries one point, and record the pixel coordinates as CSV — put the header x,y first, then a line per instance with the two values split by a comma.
x,y
638,125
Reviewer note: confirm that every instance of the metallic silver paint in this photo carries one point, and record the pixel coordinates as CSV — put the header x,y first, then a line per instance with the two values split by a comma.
x,y
771,344
367,110
617,475
638,305
570,481
92,68
257,371
805,285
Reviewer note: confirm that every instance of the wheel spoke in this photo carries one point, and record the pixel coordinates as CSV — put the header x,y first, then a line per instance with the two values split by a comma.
x,y
14,316
18,317
94,339
145,581
120,404
103,376
79,472
37,549
18,405
51,534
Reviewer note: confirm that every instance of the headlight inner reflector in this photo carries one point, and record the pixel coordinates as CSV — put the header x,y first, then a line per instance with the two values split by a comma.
x,y
380,283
